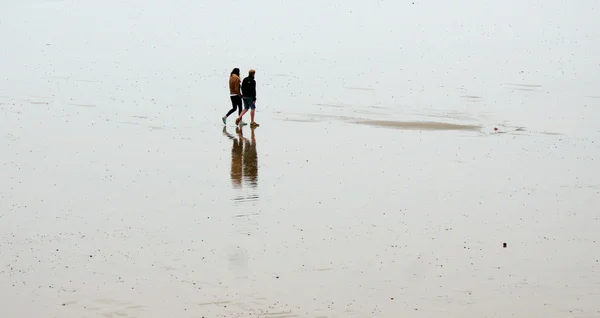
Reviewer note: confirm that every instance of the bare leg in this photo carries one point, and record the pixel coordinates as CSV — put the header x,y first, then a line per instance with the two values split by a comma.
x,y
252,115
237,121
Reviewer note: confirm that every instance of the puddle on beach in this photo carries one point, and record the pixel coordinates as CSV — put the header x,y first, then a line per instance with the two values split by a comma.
x,y
375,185
419,125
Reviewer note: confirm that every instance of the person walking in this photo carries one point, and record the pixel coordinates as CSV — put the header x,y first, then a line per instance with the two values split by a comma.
x,y
249,98
234,94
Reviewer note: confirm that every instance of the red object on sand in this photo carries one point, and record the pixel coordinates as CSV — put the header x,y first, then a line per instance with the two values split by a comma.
x,y
495,128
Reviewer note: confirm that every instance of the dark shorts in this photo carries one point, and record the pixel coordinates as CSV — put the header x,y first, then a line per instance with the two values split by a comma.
x,y
249,103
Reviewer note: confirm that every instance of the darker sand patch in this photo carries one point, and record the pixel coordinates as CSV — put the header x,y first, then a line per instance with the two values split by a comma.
x,y
447,114
418,125
407,125
300,120
524,89
361,88
525,85
352,107
84,105
60,77
218,302
126,122
472,98
333,105
366,111
123,122
550,133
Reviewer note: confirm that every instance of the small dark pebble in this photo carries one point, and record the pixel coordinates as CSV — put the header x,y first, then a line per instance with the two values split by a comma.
x,y
90,255
277,277
504,245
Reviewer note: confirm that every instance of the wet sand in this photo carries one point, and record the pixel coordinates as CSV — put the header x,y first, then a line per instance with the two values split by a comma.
x,y
376,190
418,125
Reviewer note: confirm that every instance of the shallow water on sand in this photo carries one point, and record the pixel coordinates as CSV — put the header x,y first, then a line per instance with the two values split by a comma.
x,y
376,185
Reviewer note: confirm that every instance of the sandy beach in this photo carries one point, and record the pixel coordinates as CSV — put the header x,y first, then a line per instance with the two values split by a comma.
x,y
401,145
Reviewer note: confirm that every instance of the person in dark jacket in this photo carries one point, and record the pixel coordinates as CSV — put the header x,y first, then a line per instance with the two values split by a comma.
x,y
249,98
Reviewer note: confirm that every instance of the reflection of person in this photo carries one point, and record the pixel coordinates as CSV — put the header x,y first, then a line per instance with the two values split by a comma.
x,y
249,98
244,159
236,157
235,94
250,160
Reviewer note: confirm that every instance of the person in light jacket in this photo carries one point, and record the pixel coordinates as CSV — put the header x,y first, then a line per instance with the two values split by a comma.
x,y
235,94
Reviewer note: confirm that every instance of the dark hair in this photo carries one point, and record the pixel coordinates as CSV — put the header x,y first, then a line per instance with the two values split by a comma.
x,y
235,71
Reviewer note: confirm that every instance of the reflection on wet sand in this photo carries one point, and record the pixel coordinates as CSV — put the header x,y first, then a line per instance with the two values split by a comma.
x,y
244,161
236,159
250,161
